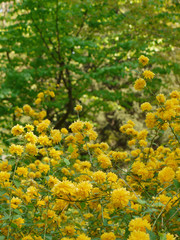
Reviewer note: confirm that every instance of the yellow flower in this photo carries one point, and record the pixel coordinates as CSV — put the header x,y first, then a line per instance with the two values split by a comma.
x,y
44,140
19,222
161,98
78,108
142,135
138,235
15,202
56,136
112,177
43,168
170,236
144,60
146,106
27,238
42,115
64,188
104,161
60,205
32,191
40,95
167,174
52,94
83,237
43,125
22,171
120,197
139,224
29,127
4,176
18,149
18,112
150,120
76,126
1,151
30,137
108,236
31,149
175,94
83,189
148,74
64,131
38,101
69,230
139,84
99,177
27,108
17,130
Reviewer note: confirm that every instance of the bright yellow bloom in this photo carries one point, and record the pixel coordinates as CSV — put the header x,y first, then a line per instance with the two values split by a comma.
x,y
139,84
15,202
30,137
43,168
29,127
104,161
108,236
64,131
40,95
146,106
120,197
170,236
139,224
99,177
19,222
38,101
148,74
150,120
167,174
18,149
69,230
78,108
1,151
175,94
18,112
83,189
83,237
144,60
27,108
161,98
64,188
138,235
31,149
27,238
112,177
76,126
22,171
43,125
56,136
17,130
4,176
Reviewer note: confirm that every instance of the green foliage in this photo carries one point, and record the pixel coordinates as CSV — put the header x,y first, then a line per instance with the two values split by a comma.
x,y
82,49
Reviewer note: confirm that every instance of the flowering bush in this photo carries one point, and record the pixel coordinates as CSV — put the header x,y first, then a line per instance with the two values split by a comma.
x,y
63,184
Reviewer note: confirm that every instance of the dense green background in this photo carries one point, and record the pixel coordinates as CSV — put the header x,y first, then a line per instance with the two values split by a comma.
x,y
90,49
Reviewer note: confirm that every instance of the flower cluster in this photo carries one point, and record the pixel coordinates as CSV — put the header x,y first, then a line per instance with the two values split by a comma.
x,y
63,184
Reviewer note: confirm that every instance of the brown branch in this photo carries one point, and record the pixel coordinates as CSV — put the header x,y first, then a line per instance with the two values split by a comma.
x,y
69,106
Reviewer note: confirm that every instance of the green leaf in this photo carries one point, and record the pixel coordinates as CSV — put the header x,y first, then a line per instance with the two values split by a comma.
x,y
67,162
70,148
151,234
176,183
